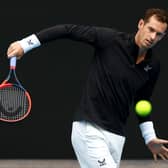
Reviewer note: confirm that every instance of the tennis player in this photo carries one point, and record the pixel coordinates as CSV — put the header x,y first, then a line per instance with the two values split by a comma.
x,y
123,71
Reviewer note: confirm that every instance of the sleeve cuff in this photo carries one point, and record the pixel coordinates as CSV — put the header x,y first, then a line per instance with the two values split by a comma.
x,y
147,130
29,43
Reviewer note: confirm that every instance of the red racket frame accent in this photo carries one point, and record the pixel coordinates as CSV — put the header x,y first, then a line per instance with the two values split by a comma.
x,y
3,85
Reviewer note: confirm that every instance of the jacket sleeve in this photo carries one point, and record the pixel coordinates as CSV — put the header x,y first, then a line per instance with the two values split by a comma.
x,y
96,36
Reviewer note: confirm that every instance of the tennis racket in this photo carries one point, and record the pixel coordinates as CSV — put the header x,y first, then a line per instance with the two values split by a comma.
x,y
15,101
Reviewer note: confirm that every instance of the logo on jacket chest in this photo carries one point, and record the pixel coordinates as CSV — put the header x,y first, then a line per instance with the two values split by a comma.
x,y
147,68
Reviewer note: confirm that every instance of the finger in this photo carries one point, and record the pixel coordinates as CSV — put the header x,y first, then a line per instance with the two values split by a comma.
x,y
155,157
166,155
162,156
11,54
163,141
12,47
164,152
165,148
9,51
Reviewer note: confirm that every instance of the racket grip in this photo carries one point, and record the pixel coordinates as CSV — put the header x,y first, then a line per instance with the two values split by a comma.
x,y
13,61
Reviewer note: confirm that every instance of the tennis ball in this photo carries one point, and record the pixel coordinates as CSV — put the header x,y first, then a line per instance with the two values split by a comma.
x,y
143,108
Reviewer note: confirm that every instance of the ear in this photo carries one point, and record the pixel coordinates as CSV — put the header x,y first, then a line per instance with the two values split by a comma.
x,y
140,23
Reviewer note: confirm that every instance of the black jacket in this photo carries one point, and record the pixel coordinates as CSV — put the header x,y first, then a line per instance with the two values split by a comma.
x,y
115,82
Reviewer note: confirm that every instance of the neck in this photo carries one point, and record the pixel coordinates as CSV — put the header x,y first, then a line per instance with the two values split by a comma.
x,y
141,56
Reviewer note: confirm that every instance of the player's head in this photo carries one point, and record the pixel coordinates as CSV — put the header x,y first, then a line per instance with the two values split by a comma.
x,y
152,27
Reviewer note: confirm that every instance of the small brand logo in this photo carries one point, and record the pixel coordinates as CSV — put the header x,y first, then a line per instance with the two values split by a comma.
x,y
102,163
30,42
147,68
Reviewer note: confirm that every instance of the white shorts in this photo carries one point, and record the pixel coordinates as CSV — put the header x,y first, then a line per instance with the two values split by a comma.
x,y
96,147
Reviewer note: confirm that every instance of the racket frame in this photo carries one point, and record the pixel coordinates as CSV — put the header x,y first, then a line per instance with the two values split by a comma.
x,y
6,83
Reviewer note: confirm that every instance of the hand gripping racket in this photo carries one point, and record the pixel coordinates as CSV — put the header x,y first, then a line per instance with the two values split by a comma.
x,y
15,101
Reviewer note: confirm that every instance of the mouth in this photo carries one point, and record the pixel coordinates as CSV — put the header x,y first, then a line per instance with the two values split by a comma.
x,y
148,42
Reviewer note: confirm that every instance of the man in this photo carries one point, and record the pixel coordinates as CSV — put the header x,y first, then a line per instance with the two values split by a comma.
x,y
123,71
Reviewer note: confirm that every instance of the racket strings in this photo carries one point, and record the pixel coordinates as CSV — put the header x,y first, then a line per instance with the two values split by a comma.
x,y
14,103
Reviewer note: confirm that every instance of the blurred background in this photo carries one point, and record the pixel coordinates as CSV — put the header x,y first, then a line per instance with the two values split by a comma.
x,y
55,74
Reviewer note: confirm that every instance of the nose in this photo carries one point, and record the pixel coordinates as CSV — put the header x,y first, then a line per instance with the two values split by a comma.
x,y
153,35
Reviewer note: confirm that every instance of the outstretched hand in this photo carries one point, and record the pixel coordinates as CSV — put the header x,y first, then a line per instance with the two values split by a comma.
x,y
156,146
15,49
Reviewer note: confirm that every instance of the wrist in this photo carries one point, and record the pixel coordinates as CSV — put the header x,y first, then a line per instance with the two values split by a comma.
x,y
29,43
148,131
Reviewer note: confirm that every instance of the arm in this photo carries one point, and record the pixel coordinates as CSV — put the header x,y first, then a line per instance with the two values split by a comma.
x,y
95,36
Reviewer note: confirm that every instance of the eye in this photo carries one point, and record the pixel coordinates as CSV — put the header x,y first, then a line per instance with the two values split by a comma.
x,y
160,34
151,29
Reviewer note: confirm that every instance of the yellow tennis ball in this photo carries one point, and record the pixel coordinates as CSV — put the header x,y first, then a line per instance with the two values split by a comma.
x,y
143,108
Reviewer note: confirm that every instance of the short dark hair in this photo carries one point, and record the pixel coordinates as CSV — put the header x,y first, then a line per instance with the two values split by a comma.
x,y
160,14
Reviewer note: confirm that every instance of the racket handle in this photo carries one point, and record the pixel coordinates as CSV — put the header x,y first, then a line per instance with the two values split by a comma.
x,y
13,62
